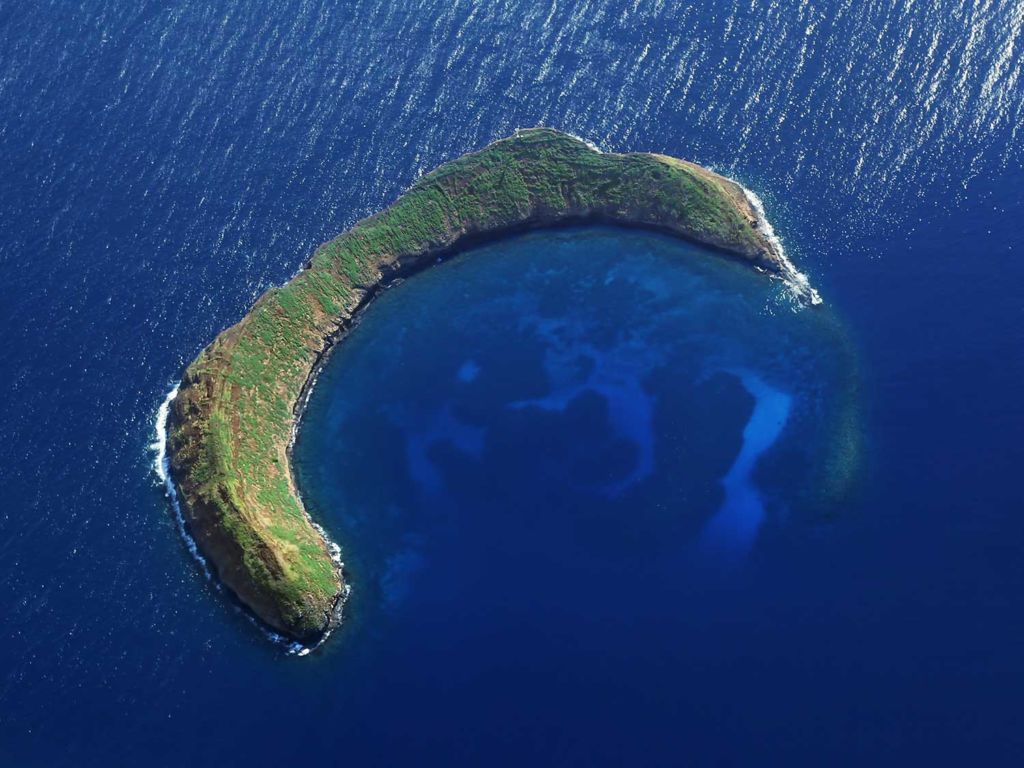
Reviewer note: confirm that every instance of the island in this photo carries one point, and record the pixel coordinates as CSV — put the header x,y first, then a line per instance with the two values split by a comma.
x,y
233,421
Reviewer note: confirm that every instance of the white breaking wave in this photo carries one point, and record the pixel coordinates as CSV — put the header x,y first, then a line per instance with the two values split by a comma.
x,y
796,281
588,142
162,469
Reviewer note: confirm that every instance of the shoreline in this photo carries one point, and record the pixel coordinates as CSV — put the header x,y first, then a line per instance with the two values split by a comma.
x,y
332,342
794,280
229,443
161,468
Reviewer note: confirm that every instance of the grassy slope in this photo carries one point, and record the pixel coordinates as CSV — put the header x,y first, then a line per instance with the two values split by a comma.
x,y
234,415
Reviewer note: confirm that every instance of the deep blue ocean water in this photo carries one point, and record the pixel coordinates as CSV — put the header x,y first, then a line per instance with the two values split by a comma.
x,y
164,164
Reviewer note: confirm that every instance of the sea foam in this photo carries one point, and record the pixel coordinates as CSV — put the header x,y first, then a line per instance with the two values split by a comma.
x,y
796,281
162,469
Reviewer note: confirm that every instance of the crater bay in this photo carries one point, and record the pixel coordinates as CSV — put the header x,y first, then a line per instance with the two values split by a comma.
x,y
553,419
231,423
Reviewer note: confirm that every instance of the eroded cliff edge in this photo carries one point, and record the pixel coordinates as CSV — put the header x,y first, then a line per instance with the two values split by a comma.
x,y
232,421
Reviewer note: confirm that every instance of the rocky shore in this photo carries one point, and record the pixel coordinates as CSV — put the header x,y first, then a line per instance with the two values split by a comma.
x,y
232,422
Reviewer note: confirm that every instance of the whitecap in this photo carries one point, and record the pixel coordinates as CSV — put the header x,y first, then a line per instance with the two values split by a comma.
x,y
162,469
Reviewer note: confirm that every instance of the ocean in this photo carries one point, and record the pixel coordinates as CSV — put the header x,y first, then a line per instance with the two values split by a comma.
x,y
163,164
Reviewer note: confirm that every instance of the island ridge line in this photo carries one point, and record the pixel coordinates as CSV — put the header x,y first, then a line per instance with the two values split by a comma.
x,y
231,424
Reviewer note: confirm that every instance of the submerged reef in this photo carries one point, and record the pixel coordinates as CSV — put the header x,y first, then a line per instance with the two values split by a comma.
x,y
233,420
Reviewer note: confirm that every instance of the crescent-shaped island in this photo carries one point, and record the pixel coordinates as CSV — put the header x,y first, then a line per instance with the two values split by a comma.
x,y
231,425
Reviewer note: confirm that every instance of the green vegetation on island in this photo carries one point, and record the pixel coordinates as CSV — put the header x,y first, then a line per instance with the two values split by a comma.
x,y
233,419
